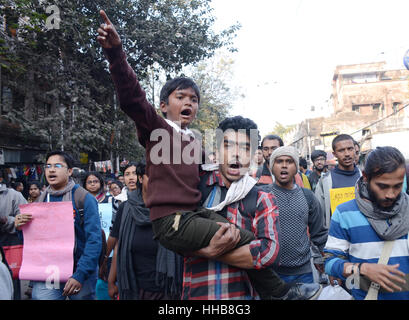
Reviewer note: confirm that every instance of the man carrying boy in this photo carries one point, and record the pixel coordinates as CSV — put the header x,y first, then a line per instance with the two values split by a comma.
x,y
177,221
208,279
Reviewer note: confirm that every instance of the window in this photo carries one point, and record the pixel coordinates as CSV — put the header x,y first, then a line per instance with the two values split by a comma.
x,y
6,99
395,107
43,110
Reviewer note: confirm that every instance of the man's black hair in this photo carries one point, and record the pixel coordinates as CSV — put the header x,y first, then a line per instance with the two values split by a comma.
x,y
129,164
339,138
383,160
236,123
67,158
177,84
141,168
318,153
99,177
303,163
273,137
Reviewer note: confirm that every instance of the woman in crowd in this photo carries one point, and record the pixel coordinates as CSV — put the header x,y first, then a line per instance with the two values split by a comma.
x,y
94,184
141,268
34,191
115,188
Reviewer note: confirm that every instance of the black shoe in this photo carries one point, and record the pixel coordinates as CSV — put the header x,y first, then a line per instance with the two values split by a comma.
x,y
302,291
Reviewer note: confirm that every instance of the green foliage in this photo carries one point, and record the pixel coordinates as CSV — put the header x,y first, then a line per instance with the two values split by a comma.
x,y
281,130
66,66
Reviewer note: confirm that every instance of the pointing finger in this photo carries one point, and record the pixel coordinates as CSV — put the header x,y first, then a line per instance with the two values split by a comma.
x,y
105,17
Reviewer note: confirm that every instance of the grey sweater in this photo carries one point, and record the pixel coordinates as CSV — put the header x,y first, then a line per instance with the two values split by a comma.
x,y
10,199
296,216
6,283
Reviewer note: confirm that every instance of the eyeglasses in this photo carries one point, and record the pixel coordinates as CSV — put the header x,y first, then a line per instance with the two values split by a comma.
x,y
320,159
55,166
92,181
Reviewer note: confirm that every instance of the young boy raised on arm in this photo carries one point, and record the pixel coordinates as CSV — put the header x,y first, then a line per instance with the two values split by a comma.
x,y
173,194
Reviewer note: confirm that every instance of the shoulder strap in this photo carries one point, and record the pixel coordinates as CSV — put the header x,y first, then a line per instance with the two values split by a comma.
x,y
79,199
308,196
386,253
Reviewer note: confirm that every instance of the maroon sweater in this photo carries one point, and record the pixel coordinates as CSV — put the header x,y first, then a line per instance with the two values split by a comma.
x,y
172,187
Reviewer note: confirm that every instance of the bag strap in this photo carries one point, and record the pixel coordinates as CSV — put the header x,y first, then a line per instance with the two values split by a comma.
x,y
386,252
308,196
79,199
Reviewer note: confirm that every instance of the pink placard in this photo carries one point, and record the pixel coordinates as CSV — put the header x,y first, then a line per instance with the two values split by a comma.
x,y
48,252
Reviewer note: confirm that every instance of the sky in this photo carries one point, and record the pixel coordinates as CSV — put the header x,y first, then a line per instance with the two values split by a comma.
x,y
288,50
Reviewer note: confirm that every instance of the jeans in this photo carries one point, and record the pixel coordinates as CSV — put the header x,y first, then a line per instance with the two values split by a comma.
x,y
42,292
300,278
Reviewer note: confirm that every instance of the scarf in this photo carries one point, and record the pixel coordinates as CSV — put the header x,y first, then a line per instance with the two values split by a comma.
x,y
238,190
100,196
66,192
169,265
389,225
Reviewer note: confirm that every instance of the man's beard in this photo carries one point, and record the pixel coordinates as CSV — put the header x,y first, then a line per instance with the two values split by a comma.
x,y
318,169
378,203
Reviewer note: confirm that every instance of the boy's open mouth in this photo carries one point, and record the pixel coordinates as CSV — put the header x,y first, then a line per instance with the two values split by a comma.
x,y
186,112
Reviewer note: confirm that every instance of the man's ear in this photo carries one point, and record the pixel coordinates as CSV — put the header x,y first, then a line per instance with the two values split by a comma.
x,y
163,107
70,171
365,177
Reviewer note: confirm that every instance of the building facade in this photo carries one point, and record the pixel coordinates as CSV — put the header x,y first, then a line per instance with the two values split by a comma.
x,y
369,102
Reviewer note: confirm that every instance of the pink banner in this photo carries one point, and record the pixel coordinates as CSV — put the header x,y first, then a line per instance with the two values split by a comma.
x,y
48,252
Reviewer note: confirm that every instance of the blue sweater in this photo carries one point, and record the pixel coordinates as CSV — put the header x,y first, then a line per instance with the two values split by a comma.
x,y
352,239
88,240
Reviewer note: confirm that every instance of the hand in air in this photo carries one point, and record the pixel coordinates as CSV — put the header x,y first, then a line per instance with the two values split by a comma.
x,y
107,35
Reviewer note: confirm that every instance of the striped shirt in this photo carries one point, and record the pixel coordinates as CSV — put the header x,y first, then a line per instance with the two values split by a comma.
x,y
352,239
206,279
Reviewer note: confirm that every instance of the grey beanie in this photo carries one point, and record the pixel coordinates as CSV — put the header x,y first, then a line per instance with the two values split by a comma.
x,y
285,151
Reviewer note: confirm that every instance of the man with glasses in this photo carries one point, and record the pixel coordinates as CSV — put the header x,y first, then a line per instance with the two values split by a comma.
x,y
88,242
268,145
318,158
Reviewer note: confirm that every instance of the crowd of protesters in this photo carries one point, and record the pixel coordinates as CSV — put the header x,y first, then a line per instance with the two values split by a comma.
x,y
249,222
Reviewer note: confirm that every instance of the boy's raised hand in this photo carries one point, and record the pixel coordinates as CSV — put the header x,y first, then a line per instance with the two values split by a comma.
x,y
107,35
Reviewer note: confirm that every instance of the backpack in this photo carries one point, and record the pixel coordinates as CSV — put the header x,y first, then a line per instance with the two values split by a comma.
x,y
309,196
79,199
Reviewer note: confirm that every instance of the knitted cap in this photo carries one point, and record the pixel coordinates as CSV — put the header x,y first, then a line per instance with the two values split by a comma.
x,y
285,151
